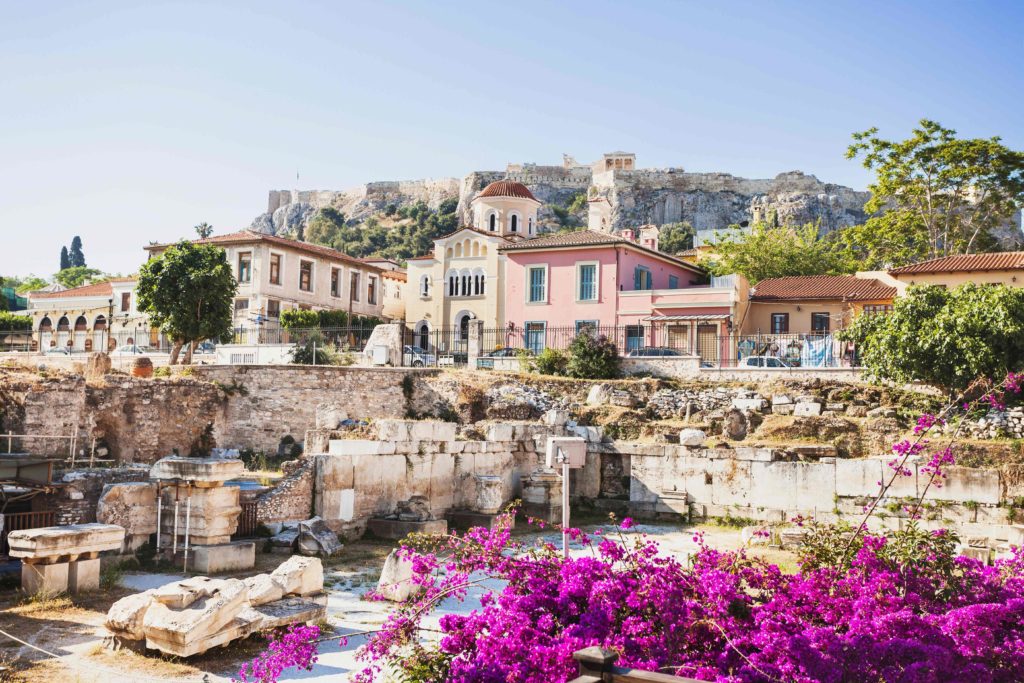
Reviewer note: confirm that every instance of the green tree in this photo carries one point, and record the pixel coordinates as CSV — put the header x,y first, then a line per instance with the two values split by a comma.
x,y
31,283
944,337
593,357
328,228
10,322
65,260
188,292
75,255
76,276
204,230
957,190
767,252
883,242
675,237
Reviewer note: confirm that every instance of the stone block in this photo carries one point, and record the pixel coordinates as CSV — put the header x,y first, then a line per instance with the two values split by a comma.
x,y
360,447
693,438
263,589
856,478
429,430
125,617
774,485
57,541
490,493
131,505
815,486
300,575
198,621
807,409
316,539
46,579
200,470
181,594
212,513
84,575
556,417
731,482
781,400
392,430
966,484
500,432
291,611
783,409
755,404
395,583
397,529
248,621
591,434
223,557
466,519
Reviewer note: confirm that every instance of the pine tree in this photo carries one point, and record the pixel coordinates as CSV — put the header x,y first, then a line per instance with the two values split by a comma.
x,y
204,230
65,261
76,255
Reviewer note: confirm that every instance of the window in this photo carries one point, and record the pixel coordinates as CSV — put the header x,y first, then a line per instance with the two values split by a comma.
x,y
306,276
514,223
354,287
241,305
492,222
876,309
531,226
673,282
587,282
275,269
335,282
819,323
780,323
126,301
425,285
535,337
371,290
273,308
642,278
537,278
586,327
634,337
245,267
453,283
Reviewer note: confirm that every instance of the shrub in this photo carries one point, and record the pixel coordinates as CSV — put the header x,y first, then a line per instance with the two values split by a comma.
x,y
14,322
299,319
550,362
313,350
593,357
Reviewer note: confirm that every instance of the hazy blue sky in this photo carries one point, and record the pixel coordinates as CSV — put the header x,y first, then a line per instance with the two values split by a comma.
x,y
130,122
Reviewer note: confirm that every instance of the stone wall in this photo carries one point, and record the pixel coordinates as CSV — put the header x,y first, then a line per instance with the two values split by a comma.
x,y
76,499
292,498
268,402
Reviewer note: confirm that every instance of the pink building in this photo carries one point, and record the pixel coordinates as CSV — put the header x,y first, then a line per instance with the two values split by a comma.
x,y
619,284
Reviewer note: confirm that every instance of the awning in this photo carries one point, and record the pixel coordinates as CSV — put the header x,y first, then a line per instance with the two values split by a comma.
x,y
681,318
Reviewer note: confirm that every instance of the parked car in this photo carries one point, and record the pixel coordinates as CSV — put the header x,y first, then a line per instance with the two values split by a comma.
x,y
417,357
131,350
653,351
206,347
507,352
765,362
57,351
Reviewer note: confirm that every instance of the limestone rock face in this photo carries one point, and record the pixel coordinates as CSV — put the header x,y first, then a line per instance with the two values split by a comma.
x,y
300,575
599,395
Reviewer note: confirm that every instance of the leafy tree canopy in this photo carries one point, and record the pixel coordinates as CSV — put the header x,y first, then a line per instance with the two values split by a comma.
x,y
21,285
766,252
76,276
944,337
204,230
188,292
14,321
938,193
65,260
675,237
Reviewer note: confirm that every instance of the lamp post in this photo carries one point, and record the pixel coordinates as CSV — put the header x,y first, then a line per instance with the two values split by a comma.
x,y
110,322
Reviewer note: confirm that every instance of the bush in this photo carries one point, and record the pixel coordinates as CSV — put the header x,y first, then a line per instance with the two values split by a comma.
x,y
593,357
298,319
14,322
550,362
313,350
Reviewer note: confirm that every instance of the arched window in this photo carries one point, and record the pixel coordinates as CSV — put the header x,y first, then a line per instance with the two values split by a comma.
x,y
81,324
63,325
424,285
453,283
458,250
476,248
424,336
466,290
45,325
478,282
530,225
514,223
492,222
100,323
448,252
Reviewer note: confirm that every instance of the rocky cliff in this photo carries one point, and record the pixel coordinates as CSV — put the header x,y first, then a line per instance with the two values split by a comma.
x,y
619,199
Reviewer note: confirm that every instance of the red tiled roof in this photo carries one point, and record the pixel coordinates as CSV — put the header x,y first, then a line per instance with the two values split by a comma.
x,y
96,289
394,275
590,238
843,287
1002,260
249,236
507,188
420,258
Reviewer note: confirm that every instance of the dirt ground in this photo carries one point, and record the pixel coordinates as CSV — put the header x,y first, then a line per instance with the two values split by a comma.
x,y
71,628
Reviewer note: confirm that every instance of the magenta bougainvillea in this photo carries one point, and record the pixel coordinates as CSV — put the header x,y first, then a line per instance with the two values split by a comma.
x,y
899,608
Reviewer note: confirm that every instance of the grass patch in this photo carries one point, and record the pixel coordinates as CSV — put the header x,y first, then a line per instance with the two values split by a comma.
x,y
44,602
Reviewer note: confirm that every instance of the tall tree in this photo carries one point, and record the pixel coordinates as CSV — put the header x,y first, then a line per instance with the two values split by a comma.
x,y
188,292
675,237
955,191
767,252
65,260
204,230
76,256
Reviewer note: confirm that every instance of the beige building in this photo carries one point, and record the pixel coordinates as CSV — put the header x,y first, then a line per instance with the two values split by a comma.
x,y
999,268
464,278
276,274
96,317
393,279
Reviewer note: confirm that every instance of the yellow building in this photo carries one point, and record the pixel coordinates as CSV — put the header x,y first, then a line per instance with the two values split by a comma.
x,y
999,268
815,304
464,278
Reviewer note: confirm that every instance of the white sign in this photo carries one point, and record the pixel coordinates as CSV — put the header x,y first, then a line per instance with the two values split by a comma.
x,y
566,450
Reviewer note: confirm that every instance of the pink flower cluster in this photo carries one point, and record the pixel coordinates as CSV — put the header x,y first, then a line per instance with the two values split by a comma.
x,y
295,646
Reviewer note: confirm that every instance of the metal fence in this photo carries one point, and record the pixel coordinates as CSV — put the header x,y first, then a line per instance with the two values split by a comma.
x,y
343,338
668,341
439,347
20,521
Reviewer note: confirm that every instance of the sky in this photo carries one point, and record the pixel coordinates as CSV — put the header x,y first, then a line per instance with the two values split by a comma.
x,y
126,123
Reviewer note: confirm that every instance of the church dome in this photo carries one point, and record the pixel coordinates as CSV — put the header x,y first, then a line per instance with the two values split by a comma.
x,y
507,188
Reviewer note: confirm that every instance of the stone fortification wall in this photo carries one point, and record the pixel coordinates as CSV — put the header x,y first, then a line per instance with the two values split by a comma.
x,y
267,402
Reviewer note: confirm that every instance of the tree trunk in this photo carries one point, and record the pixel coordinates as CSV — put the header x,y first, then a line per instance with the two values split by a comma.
x,y
175,350
189,350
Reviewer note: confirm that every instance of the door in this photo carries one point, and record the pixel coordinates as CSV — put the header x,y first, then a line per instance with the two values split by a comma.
x,y
707,344
678,338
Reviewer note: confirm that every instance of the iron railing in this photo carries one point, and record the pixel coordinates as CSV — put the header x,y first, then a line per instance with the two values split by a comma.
x,y
19,521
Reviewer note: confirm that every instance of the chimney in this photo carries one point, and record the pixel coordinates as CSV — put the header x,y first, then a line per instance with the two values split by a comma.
x,y
628,234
